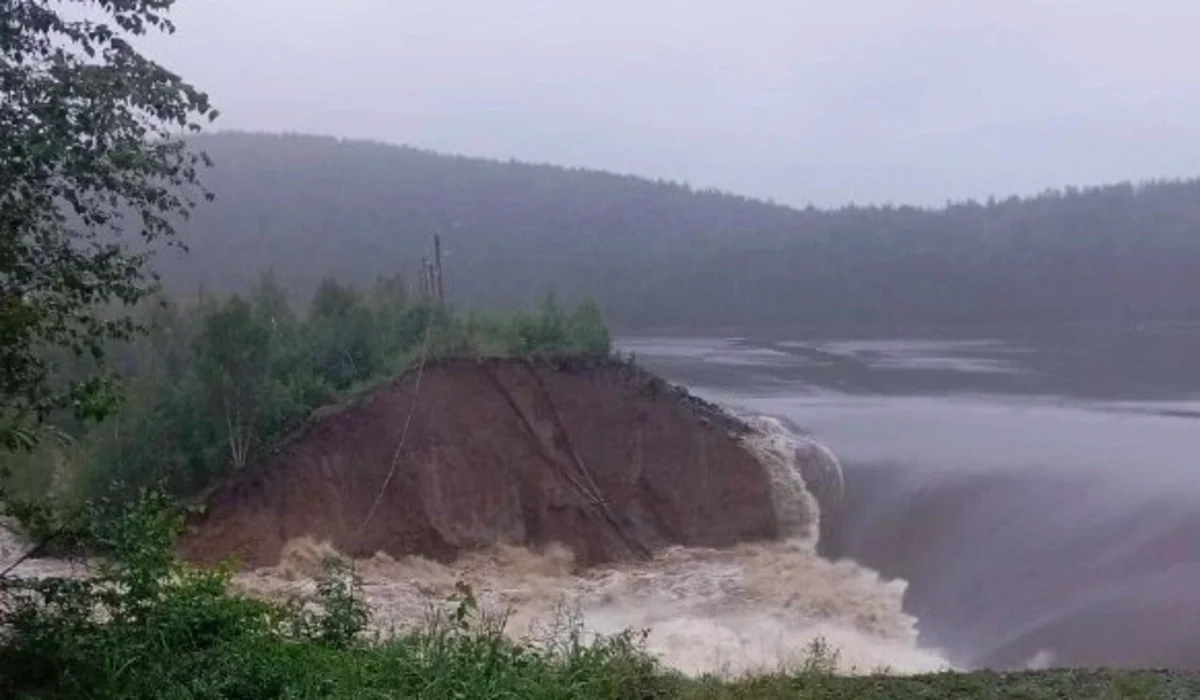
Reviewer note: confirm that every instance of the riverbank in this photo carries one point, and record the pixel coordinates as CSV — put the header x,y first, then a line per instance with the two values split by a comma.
x,y
718,618
197,638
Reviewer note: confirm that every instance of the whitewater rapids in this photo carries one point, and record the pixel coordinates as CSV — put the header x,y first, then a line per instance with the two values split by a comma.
x,y
747,609
751,608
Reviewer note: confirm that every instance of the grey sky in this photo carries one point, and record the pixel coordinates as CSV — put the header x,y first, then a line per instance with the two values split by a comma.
x,y
908,101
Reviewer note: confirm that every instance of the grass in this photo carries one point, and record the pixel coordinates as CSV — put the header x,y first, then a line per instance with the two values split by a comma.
x,y
145,625
470,663
464,655
973,686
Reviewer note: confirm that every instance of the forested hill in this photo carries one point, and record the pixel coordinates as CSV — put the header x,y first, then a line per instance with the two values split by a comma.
x,y
664,254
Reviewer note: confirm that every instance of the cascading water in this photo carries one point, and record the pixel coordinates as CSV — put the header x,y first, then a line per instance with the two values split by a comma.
x,y
753,607
1035,486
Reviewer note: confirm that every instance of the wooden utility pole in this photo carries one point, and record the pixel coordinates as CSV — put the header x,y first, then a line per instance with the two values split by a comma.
x,y
431,279
433,288
425,278
437,257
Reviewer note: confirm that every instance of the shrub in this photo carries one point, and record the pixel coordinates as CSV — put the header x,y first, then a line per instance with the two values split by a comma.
x,y
216,384
145,624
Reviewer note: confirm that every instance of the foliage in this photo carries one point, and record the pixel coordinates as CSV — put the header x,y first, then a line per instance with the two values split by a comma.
x,y
88,150
340,615
143,621
547,331
145,624
214,384
586,332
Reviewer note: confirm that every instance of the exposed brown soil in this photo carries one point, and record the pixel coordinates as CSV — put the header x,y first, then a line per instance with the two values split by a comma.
x,y
606,459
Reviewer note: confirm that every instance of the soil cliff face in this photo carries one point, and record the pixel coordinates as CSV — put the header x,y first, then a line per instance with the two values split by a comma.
x,y
607,460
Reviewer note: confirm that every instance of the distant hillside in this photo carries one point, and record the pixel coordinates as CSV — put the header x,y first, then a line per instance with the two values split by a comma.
x,y
664,254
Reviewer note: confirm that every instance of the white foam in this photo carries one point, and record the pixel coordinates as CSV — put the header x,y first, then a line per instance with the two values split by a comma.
x,y
754,607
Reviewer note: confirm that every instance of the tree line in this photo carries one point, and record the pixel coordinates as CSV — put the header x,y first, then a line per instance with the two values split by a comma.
x,y
106,388
660,254
215,382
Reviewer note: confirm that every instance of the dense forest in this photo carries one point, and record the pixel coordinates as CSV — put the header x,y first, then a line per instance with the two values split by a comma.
x,y
660,254
216,382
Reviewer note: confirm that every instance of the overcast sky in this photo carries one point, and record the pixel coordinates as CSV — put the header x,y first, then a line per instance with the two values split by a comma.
x,y
904,101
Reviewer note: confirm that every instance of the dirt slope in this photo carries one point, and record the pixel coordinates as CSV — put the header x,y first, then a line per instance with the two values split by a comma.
x,y
609,461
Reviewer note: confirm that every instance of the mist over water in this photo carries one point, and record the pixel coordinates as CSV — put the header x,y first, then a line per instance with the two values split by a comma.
x,y
752,608
1037,489
757,607
1006,500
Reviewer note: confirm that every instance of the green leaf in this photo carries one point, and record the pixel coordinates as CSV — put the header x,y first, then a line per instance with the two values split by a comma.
x,y
92,172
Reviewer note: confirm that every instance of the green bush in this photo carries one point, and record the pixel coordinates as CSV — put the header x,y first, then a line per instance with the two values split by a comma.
x,y
145,625
216,383
140,623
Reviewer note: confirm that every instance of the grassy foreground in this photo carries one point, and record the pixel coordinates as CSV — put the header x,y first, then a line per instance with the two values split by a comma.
x,y
984,686
145,625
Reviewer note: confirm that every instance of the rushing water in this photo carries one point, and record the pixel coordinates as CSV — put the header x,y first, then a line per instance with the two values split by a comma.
x,y
1037,489
1006,498
752,608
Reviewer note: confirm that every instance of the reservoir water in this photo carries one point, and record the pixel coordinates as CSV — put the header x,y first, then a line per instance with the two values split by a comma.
x,y
1038,488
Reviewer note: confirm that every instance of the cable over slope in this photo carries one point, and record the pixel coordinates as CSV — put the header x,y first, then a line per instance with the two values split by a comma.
x,y
600,457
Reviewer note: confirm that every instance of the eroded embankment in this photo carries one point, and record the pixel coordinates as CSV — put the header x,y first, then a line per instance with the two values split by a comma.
x,y
595,495
601,458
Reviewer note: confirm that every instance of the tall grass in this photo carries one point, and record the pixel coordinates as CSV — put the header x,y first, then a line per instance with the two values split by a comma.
x,y
145,625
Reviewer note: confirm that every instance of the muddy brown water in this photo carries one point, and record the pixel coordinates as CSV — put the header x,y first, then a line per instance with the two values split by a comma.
x,y
1012,498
